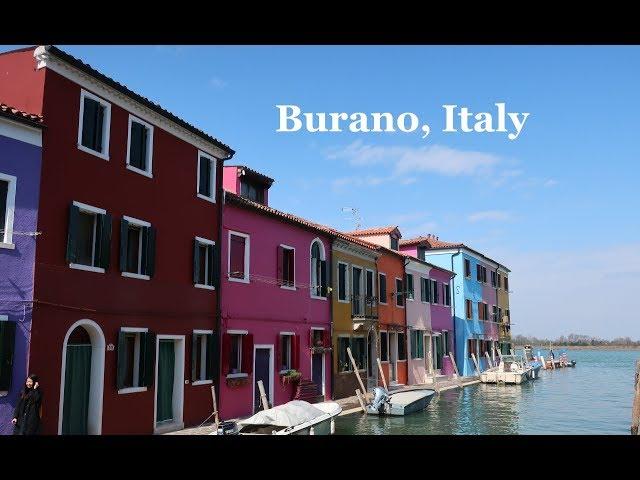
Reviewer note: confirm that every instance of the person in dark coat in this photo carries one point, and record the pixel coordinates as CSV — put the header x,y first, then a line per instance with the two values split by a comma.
x,y
26,416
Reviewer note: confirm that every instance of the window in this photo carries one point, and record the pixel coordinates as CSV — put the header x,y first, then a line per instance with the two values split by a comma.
x,y
382,287
237,353
7,208
506,283
7,348
384,346
481,273
238,262
344,364
422,253
446,294
136,347
202,357
417,344
399,293
507,314
318,270
286,267
140,146
499,282
483,311
468,309
493,278
285,351
434,292
402,347
88,238
205,264
252,191
472,347
394,243
137,248
358,350
424,290
343,282
369,286
445,342
410,291
206,177
494,313
357,299
93,131
499,314
467,268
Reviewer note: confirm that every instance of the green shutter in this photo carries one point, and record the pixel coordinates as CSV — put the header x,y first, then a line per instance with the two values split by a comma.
x,y
149,240
72,234
212,355
122,361
7,347
194,357
414,347
148,344
104,247
196,262
124,231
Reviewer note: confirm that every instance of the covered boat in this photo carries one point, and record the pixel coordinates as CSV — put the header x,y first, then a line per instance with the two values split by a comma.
x,y
296,417
513,369
399,403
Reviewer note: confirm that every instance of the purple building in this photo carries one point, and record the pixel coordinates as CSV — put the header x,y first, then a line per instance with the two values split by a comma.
x,y
20,159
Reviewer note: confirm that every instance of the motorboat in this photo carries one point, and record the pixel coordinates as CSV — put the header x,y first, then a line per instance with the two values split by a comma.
x,y
399,403
532,361
296,417
513,369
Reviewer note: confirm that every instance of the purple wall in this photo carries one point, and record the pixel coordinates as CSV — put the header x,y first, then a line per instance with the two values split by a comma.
x,y
21,160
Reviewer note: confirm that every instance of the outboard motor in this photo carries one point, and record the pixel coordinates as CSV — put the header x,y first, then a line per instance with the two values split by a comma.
x,y
380,397
228,427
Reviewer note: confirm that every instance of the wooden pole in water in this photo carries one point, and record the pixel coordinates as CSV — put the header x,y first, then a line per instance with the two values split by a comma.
x,y
544,364
359,395
455,367
263,396
216,419
498,352
355,370
384,380
488,359
635,411
475,362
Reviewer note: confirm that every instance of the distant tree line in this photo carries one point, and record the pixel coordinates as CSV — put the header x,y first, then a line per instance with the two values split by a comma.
x,y
575,340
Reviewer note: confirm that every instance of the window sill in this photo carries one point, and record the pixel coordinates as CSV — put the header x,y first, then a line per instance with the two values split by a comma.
x,y
205,287
284,287
132,390
343,301
383,303
238,280
202,382
237,375
315,297
208,199
86,268
136,275
144,173
104,156
8,246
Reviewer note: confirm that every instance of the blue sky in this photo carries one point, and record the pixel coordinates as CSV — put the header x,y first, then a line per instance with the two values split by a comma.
x,y
558,205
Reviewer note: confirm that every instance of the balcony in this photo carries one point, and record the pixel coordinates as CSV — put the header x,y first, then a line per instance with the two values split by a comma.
x,y
364,308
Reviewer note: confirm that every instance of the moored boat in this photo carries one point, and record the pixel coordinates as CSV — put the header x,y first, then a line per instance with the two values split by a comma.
x,y
399,403
512,370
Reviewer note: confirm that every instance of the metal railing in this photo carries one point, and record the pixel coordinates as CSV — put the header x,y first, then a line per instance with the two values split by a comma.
x,y
364,306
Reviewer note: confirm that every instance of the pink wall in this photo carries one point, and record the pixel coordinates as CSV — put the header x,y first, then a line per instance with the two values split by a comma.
x,y
265,309
230,179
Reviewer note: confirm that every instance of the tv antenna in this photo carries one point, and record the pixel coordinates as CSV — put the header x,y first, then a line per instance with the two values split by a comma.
x,y
355,216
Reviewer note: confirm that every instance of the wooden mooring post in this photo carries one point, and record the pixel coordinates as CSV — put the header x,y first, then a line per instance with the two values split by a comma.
x,y
475,362
455,367
635,411
263,396
384,380
216,418
361,400
489,362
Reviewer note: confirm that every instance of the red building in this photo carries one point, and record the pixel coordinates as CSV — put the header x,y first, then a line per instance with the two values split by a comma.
x,y
125,300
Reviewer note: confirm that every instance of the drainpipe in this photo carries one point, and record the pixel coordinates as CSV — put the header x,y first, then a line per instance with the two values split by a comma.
x,y
453,304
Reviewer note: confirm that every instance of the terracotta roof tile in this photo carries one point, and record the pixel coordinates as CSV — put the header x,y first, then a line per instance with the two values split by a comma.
x,y
373,231
20,116
431,241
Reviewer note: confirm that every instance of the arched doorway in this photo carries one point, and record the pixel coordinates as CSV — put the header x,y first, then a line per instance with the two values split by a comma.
x,y
82,380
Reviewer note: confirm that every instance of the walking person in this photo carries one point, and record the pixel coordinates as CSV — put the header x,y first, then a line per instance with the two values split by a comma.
x,y
26,416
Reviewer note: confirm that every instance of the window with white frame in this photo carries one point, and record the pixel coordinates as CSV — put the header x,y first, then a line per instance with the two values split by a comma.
x,y
370,286
286,351
318,270
137,248
343,282
94,125
134,362
434,292
409,283
425,290
235,359
7,208
382,287
384,346
88,238
417,344
202,356
238,261
446,294
205,269
140,146
287,267
399,293
206,177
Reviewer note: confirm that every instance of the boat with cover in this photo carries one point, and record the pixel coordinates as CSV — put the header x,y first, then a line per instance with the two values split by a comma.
x,y
513,369
399,403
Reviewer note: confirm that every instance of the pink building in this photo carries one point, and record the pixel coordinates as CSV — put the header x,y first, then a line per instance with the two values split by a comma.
x,y
275,311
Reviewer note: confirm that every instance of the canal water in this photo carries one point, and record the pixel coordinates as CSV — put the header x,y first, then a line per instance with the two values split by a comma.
x,y
595,397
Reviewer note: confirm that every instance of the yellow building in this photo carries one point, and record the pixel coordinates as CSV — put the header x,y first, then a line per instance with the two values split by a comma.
x,y
355,314
504,314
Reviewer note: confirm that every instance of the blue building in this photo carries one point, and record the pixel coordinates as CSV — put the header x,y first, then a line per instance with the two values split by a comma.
x,y
476,312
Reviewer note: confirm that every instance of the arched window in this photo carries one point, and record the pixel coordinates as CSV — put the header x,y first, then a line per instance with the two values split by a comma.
x,y
318,270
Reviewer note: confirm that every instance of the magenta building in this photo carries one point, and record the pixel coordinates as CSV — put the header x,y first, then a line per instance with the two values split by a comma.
x,y
275,310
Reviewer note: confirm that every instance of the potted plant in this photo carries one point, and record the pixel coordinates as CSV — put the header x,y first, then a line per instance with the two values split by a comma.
x,y
290,376
237,382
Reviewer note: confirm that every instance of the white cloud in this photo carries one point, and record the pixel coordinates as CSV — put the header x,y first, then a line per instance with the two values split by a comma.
x,y
586,291
489,215
217,82
550,183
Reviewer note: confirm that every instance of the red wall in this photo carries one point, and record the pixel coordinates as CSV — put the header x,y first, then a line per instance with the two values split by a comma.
x,y
167,304
21,85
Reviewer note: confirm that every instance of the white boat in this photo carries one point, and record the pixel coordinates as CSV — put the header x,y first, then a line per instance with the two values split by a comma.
x,y
512,369
296,417
399,403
